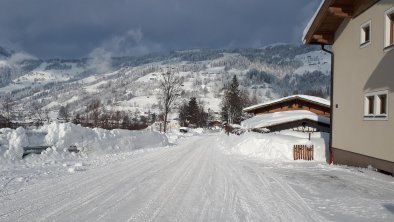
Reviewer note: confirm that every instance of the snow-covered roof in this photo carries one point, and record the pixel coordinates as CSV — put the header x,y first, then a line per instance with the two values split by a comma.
x,y
312,99
271,119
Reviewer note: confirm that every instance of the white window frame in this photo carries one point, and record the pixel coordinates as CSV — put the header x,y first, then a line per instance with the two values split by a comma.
x,y
387,22
377,115
363,42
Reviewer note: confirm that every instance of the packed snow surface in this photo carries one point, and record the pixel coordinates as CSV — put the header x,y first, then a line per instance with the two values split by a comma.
x,y
202,178
271,119
312,99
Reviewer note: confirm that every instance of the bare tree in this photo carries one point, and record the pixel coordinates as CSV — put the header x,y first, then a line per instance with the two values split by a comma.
x,y
8,108
116,117
94,111
170,90
37,112
47,117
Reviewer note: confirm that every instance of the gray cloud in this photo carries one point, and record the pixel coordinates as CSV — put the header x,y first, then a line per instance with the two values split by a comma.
x,y
75,28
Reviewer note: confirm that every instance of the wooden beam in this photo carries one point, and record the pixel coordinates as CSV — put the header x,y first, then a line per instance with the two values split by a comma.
x,y
341,11
324,38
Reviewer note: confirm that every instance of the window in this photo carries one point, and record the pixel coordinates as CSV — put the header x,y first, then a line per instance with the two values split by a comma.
x,y
371,105
389,28
382,104
376,105
365,34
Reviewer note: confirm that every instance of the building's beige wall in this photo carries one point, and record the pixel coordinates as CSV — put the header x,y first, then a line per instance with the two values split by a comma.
x,y
356,72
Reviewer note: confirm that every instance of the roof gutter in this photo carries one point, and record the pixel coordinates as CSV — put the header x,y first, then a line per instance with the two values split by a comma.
x,y
331,100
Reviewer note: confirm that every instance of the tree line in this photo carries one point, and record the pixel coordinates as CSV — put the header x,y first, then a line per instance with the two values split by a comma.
x,y
94,116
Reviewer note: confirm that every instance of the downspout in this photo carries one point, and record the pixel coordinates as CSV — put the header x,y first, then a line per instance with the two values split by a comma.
x,y
331,160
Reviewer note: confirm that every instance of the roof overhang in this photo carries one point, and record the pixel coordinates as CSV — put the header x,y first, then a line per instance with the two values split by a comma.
x,y
330,16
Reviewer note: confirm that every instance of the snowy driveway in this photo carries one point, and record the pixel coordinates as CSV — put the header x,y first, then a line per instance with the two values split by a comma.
x,y
195,181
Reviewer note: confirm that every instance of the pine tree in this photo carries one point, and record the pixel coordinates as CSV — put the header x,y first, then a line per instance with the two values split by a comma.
x,y
232,103
193,111
192,114
64,113
183,113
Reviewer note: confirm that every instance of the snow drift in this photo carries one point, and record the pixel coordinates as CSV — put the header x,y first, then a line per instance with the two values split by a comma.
x,y
90,142
270,119
274,146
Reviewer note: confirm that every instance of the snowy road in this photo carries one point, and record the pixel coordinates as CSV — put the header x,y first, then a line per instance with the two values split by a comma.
x,y
196,181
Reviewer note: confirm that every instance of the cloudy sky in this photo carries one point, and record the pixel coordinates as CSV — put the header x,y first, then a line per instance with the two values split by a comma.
x,y
77,28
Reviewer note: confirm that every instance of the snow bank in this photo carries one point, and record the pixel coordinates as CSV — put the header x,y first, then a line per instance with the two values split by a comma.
x,y
90,142
11,143
274,146
270,119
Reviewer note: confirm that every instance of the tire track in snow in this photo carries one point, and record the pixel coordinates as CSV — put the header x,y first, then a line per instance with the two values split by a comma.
x,y
94,181
194,181
114,193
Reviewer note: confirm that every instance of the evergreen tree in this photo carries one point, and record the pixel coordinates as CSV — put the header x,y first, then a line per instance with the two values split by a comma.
x,y
64,113
193,111
183,113
232,103
192,114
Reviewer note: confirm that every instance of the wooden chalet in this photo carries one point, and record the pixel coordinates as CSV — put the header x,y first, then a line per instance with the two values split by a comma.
x,y
295,120
313,104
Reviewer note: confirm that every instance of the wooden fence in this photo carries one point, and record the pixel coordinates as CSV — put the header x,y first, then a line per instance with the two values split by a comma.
x,y
303,152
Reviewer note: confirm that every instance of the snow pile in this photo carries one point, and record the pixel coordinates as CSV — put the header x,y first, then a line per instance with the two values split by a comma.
x,y
11,143
98,140
271,119
90,142
274,146
197,131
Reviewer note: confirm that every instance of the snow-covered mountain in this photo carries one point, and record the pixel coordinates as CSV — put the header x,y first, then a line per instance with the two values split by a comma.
x,y
131,83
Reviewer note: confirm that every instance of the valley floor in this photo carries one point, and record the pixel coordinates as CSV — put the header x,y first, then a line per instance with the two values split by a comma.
x,y
197,181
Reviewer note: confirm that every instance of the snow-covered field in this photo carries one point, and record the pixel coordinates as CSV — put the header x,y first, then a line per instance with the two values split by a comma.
x,y
140,176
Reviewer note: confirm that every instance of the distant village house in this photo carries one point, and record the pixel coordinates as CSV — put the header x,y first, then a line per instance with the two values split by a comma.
x,y
298,113
313,104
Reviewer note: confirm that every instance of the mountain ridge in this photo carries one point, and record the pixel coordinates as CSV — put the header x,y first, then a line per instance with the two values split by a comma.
x,y
131,83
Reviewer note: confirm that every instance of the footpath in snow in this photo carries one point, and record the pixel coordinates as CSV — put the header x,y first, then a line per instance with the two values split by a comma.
x,y
203,178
